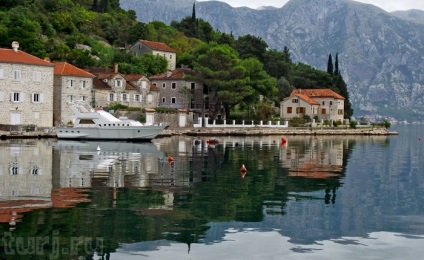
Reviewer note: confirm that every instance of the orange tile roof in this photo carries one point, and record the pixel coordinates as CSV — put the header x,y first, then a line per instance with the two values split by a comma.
x,y
11,56
177,74
315,93
157,46
133,77
64,68
307,99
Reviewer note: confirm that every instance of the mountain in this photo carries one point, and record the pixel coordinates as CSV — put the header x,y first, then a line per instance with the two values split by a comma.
x,y
413,15
380,53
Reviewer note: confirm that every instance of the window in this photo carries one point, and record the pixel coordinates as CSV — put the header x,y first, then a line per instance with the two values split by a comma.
x,y
84,84
174,85
164,85
83,98
124,97
289,110
205,90
193,86
36,98
137,98
163,100
173,100
331,103
14,170
323,103
323,111
111,97
36,76
170,56
35,170
300,110
16,75
295,100
340,111
15,97
118,83
71,83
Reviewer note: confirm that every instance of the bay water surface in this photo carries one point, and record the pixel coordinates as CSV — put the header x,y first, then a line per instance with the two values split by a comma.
x,y
182,197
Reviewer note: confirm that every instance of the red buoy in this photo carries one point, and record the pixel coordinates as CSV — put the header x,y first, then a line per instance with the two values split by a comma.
x,y
170,159
243,168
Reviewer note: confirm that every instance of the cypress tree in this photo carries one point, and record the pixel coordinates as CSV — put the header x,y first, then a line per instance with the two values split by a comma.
x,y
336,65
193,15
330,65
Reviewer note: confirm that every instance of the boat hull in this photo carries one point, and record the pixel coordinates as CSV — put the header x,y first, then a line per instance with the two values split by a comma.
x,y
143,133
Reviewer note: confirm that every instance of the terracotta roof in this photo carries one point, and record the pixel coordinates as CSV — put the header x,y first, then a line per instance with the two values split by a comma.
x,y
64,68
307,99
99,84
158,46
129,85
106,75
133,77
177,74
11,56
153,87
100,70
314,93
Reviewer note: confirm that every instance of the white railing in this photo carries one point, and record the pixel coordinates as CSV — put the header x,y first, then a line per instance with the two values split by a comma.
x,y
244,124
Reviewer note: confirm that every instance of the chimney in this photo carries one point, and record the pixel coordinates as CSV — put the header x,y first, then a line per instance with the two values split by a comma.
x,y
115,67
15,46
168,73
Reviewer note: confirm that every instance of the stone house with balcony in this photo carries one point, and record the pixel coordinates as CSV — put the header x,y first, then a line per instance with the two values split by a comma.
x,y
156,48
179,90
321,104
26,89
70,84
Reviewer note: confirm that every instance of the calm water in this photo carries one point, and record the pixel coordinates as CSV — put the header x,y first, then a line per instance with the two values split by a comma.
x,y
319,197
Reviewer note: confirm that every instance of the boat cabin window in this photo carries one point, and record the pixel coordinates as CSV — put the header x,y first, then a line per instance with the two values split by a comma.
x,y
87,121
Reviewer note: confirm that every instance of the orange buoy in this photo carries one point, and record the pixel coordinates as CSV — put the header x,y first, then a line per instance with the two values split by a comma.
x,y
243,168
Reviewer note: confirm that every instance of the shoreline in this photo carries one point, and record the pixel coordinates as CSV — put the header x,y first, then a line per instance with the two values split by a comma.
x,y
256,131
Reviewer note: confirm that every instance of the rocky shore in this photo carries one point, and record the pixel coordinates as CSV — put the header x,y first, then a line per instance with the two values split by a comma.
x,y
255,131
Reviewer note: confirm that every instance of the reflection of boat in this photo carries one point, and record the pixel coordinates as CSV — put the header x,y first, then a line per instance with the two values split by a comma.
x,y
87,149
99,124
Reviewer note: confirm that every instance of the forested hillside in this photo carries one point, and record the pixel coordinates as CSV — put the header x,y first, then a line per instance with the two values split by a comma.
x,y
91,33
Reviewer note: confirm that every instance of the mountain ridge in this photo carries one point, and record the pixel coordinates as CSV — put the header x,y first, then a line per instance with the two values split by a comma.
x,y
380,53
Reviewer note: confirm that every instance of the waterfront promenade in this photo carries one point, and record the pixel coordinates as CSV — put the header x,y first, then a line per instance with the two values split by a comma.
x,y
254,131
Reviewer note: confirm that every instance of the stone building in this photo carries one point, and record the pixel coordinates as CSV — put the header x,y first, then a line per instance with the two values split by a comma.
x,y
26,89
132,90
321,104
156,48
179,90
70,84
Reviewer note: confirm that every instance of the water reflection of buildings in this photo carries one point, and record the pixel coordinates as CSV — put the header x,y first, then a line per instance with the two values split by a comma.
x,y
314,158
26,180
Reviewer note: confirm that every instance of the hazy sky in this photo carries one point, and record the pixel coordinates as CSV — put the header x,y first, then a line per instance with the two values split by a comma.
x,y
388,5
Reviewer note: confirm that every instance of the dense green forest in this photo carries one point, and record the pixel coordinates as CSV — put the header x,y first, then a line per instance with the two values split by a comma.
x,y
243,71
